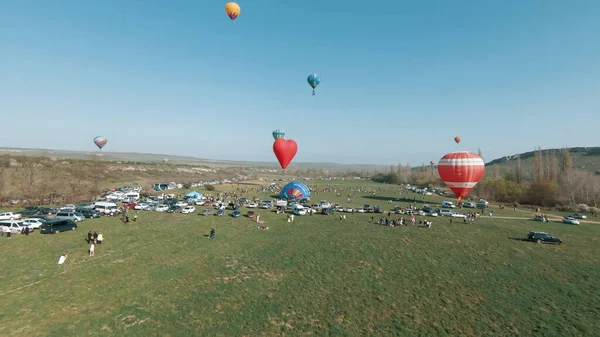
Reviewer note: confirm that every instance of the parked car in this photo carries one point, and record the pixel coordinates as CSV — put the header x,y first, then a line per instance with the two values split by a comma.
x,y
181,204
174,209
161,208
33,223
468,205
543,237
15,227
206,211
349,209
220,212
90,213
236,214
252,205
140,206
41,217
432,213
570,220
360,210
250,214
57,226
448,204
188,210
10,216
327,211
151,207
74,216
578,216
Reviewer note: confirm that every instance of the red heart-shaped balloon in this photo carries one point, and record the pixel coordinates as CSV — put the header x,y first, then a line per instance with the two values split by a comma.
x,y
285,150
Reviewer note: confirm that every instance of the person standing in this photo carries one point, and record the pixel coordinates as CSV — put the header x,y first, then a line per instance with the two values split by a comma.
x,y
91,250
212,233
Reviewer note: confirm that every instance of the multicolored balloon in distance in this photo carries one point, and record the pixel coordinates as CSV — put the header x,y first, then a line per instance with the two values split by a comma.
x,y
461,171
313,80
457,139
295,190
233,10
100,141
278,134
285,150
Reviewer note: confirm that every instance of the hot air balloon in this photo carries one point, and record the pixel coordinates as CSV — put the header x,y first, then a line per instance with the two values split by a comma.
x,y
233,10
457,139
100,141
295,190
285,150
313,81
461,171
278,134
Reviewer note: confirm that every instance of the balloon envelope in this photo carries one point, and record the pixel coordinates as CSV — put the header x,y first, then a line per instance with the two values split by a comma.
x,y
233,10
100,141
278,134
457,139
295,189
313,80
285,150
461,171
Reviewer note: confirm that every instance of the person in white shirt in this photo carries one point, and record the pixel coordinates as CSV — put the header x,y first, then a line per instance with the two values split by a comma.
x,y
91,251
62,259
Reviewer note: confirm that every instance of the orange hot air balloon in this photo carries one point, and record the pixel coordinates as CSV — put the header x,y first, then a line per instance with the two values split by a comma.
x,y
461,171
233,10
457,139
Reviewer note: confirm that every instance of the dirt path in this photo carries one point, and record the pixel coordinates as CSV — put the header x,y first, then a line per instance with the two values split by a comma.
x,y
552,217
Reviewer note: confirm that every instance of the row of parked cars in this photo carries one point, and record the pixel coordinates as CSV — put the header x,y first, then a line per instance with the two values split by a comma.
x,y
38,218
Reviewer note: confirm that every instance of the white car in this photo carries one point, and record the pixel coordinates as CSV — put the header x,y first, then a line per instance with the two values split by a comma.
x,y
252,205
181,204
349,209
200,202
141,206
570,220
360,210
10,216
577,216
161,208
188,210
11,226
33,223
458,215
432,213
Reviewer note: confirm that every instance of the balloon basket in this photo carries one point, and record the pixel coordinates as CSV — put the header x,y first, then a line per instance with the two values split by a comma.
x,y
313,93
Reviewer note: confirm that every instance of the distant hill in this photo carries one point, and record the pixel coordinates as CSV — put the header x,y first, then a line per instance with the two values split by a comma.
x,y
173,159
584,158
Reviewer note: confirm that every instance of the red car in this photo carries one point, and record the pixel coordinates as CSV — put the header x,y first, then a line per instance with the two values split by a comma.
x,y
250,214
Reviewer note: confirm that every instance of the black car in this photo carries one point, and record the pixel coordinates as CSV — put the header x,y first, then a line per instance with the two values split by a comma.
x,y
236,214
90,213
174,209
542,237
57,226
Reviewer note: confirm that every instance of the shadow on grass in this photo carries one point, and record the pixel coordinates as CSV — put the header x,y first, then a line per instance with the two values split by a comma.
x,y
518,239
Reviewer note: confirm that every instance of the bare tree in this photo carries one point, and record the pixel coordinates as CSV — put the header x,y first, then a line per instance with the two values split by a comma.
x,y
538,166
566,162
573,186
518,170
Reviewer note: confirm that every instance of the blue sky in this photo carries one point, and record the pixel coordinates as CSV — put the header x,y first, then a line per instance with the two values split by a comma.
x,y
400,79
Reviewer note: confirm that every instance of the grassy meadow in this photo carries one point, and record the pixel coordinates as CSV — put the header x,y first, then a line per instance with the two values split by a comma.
x,y
320,276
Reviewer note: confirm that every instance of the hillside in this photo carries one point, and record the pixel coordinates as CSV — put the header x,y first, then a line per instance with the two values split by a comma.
x,y
173,159
583,158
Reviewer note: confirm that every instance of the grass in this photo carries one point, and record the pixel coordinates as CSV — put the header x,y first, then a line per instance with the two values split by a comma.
x,y
318,275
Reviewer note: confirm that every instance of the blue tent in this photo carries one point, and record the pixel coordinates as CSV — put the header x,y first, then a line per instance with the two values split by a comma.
x,y
295,190
193,195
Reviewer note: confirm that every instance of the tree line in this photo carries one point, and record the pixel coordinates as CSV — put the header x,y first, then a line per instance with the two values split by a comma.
x,y
549,179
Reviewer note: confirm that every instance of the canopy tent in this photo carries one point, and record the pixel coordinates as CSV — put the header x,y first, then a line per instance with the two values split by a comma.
x,y
193,195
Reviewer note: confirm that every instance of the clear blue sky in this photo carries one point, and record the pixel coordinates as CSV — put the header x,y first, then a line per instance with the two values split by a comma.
x,y
400,79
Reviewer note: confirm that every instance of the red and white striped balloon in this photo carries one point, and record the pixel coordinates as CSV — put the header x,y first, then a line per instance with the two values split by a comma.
x,y
461,171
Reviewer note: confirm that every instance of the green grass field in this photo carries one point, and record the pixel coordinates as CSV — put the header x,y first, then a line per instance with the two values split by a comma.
x,y
316,276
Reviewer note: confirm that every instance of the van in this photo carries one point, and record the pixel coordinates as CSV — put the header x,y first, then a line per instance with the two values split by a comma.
x,y
106,207
132,195
57,226
70,216
446,212
298,209
15,227
448,204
